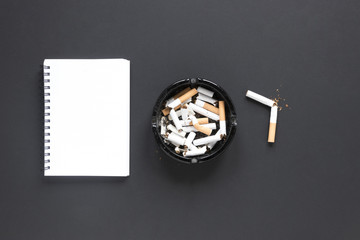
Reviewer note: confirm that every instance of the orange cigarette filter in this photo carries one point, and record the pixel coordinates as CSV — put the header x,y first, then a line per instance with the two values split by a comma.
x,y
181,93
272,131
202,121
188,95
211,108
222,110
203,129
166,110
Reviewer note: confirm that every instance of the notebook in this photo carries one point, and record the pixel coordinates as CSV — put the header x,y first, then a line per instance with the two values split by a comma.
x,y
87,117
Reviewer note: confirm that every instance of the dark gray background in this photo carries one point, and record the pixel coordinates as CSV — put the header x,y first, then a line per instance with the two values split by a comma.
x,y
305,186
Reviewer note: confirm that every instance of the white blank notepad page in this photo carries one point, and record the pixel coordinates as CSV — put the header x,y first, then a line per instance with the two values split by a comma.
x,y
89,117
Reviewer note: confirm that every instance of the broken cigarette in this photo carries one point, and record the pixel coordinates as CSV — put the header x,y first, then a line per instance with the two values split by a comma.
x,y
193,129
176,139
272,126
182,98
207,106
199,127
177,95
195,152
188,122
212,144
190,139
162,126
259,98
206,140
175,119
222,118
204,112
166,110
173,129
206,98
205,91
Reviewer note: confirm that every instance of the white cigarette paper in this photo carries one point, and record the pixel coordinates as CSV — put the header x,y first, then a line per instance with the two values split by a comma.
x,y
190,139
176,139
206,140
178,113
193,129
222,118
184,113
272,125
205,91
212,144
206,99
195,152
175,119
183,98
259,98
173,129
162,126
204,112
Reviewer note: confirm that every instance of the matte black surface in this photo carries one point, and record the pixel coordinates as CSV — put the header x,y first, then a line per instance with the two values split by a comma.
x,y
305,186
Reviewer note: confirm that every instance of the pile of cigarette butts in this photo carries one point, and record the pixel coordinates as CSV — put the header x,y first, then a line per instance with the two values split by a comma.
x,y
273,113
189,119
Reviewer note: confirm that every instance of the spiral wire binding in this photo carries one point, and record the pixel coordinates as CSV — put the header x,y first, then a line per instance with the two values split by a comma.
x,y
46,117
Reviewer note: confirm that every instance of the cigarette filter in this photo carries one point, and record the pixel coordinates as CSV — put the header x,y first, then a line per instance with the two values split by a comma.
x,y
166,110
173,129
199,127
190,139
222,118
195,152
175,119
272,126
207,106
206,99
259,98
206,140
176,139
177,95
183,98
193,129
205,91
188,122
204,112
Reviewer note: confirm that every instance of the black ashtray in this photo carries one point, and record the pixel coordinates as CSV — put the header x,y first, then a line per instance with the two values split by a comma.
x,y
219,94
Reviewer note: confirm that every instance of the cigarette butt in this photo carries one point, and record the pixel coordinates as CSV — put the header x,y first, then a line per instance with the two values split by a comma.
x,y
206,99
181,93
195,152
188,122
193,129
207,106
222,118
182,98
222,110
205,91
162,126
206,140
203,129
199,127
166,110
212,144
173,129
170,100
178,113
176,139
190,139
204,112
259,98
184,113
175,119
272,125
188,95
